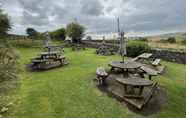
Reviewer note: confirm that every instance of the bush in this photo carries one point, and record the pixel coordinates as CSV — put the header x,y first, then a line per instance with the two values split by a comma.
x,y
58,34
135,48
143,39
26,43
163,41
8,62
183,42
171,40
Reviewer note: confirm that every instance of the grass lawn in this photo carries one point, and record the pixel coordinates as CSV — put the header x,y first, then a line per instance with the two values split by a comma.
x,y
68,92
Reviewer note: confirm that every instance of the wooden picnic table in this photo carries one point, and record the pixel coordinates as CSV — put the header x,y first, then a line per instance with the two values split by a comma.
x,y
134,82
124,66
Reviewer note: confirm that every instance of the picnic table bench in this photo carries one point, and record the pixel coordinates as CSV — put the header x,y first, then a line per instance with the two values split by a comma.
x,y
50,53
38,60
134,83
145,55
149,71
140,103
156,62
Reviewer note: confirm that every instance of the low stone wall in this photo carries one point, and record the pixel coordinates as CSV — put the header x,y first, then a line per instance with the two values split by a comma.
x,y
172,56
92,44
167,55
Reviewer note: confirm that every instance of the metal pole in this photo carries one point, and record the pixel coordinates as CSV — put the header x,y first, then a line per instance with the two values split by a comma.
x,y
118,25
122,48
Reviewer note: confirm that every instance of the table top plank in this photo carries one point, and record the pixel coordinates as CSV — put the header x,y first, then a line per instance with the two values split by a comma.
x,y
145,55
48,53
125,65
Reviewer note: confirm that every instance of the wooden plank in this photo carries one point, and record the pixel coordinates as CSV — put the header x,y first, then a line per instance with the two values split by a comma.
x,y
37,61
149,71
135,81
145,55
156,62
138,103
49,53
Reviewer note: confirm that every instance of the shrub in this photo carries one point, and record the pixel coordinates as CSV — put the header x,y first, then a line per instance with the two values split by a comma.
x,y
26,43
59,34
135,48
171,40
143,39
183,42
163,41
8,63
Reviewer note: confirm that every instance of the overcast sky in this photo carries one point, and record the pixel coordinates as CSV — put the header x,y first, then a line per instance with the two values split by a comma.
x,y
97,15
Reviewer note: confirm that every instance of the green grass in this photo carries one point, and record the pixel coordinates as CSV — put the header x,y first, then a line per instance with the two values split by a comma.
x,y
68,92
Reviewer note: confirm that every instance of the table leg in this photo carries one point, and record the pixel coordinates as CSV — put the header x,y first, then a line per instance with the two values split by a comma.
x,y
150,77
125,73
125,89
112,68
141,90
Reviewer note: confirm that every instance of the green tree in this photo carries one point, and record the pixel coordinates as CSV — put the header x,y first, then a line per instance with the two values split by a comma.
x,y
59,34
32,33
75,31
4,23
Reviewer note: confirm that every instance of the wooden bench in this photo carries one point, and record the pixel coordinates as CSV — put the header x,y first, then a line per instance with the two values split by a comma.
x,y
149,71
140,103
101,75
156,62
38,60
142,56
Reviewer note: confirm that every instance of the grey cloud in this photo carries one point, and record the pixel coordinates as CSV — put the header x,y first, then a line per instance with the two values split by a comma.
x,y
92,7
98,15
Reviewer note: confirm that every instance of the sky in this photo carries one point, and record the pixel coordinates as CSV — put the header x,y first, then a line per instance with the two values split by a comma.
x,y
98,16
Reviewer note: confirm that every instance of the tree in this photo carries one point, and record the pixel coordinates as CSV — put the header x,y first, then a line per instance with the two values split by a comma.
x,y
75,31
59,34
32,33
4,24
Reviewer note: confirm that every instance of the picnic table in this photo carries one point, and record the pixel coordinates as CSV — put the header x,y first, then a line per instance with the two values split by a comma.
x,y
124,66
134,83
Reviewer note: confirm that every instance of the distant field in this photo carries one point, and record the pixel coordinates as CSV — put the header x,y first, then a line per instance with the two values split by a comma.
x,y
175,46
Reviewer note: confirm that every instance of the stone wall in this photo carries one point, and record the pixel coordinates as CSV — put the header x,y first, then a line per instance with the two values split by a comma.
x,y
167,55
172,56
94,44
